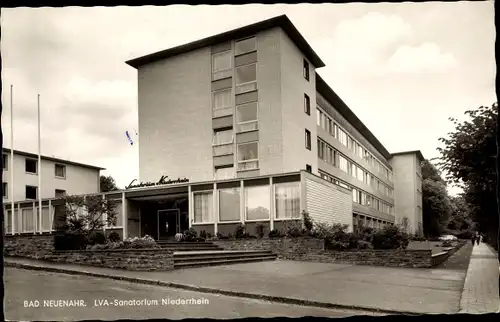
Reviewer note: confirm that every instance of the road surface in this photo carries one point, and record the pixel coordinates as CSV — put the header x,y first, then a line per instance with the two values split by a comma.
x,y
35,295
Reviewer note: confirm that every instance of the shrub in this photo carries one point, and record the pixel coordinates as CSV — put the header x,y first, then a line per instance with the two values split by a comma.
x,y
70,241
364,245
190,235
136,242
240,231
114,237
275,233
199,239
179,237
390,237
203,234
230,236
366,234
97,238
259,230
336,245
293,229
209,236
221,236
308,222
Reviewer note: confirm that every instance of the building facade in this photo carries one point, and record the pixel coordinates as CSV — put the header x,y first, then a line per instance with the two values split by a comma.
x,y
258,137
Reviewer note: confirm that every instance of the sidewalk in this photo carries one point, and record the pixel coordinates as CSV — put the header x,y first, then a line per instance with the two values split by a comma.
x,y
480,294
364,288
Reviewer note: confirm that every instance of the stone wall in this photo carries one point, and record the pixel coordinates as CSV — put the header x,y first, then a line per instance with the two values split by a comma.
x,y
29,246
129,259
311,249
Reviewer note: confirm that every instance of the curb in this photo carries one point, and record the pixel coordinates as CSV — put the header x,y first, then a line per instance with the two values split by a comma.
x,y
284,300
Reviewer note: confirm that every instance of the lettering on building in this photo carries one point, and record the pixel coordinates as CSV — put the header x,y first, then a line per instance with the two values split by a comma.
x,y
163,181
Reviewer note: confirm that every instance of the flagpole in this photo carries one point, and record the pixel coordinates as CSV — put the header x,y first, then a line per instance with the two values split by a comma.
x,y
39,172
13,218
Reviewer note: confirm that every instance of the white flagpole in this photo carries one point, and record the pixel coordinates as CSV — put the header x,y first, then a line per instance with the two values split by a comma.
x,y
39,172
12,209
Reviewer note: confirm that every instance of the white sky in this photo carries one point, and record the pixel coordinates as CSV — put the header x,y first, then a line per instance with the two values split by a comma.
x,y
402,68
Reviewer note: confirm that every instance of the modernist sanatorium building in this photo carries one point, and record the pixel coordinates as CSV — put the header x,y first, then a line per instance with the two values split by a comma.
x,y
247,132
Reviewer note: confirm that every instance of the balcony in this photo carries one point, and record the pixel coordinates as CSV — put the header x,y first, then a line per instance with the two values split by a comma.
x,y
223,149
248,165
221,112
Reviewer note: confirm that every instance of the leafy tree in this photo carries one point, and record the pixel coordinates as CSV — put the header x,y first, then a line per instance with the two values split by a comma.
x,y
107,183
460,219
436,204
469,160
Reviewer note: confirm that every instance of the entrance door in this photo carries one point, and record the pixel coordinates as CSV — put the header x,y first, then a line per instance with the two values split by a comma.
x,y
168,223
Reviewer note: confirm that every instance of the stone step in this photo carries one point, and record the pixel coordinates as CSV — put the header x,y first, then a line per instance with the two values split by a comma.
x,y
181,255
194,249
169,242
214,262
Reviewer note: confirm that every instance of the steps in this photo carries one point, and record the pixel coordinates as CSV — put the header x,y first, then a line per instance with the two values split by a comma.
x,y
183,259
188,246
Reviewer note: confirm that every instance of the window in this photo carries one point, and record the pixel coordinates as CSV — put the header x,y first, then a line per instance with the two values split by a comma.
x,y
306,70
329,155
245,46
257,202
321,149
60,193
223,137
222,65
4,161
309,168
31,192
203,207
229,204
355,196
335,130
363,198
225,173
247,117
307,104
60,171
246,78
342,137
343,163
27,224
361,174
4,189
318,117
31,166
222,99
369,201
354,170
46,219
248,156
287,197
308,140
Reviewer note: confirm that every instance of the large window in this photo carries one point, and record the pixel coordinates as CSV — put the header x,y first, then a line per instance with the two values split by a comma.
x,y
247,117
248,156
31,166
31,192
203,204
222,99
229,204
60,171
222,65
246,78
287,200
257,202
308,140
245,46
307,104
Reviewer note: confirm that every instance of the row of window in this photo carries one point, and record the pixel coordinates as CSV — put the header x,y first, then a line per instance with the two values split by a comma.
x,y
335,158
362,197
332,127
31,166
31,192
257,203
359,221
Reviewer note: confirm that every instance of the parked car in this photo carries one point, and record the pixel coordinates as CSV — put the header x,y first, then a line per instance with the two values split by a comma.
x,y
448,238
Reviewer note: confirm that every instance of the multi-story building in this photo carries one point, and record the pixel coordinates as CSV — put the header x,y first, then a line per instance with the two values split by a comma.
x,y
256,137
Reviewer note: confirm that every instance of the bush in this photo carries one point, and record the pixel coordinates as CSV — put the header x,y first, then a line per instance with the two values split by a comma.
x,y
293,229
209,236
144,242
336,245
114,237
417,238
70,241
97,238
364,245
203,234
220,236
240,231
308,222
190,235
275,233
390,237
259,230
366,234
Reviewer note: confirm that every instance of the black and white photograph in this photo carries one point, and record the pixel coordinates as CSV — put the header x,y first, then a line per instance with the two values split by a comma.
x,y
255,160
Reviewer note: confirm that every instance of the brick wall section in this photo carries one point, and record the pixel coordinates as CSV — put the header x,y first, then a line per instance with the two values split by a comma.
x,y
30,246
311,249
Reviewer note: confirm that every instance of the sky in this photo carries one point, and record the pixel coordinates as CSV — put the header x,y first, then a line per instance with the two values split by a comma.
x,y
403,68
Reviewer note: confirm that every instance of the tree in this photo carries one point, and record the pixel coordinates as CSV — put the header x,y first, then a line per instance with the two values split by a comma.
x,y
436,205
460,219
469,160
107,183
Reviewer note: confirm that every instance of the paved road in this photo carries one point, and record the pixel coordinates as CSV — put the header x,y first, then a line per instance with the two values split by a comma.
x,y
459,260
25,285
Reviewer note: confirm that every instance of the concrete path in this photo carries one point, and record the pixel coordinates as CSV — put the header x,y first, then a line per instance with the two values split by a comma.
x,y
480,294
386,290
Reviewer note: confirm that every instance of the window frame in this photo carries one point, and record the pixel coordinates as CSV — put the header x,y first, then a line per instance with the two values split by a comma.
x,y
5,160
269,189
231,99
239,205
211,220
236,53
238,162
26,160
307,104
214,143
227,52
236,84
59,190
308,139
64,170
305,70
26,192
5,189
256,121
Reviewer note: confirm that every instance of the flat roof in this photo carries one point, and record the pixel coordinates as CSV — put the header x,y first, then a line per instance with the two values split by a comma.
x,y
417,152
280,21
33,155
329,94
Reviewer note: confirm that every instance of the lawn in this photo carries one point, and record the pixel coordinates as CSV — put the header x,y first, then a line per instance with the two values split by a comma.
x,y
435,246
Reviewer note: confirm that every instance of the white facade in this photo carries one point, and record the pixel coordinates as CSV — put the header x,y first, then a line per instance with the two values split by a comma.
x,y
58,177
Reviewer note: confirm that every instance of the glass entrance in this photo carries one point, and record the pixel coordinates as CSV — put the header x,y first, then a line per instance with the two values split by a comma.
x,y
168,223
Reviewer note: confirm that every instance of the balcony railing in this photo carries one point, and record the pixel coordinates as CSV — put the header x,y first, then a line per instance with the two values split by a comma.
x,y
220,112
248,165
223,149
